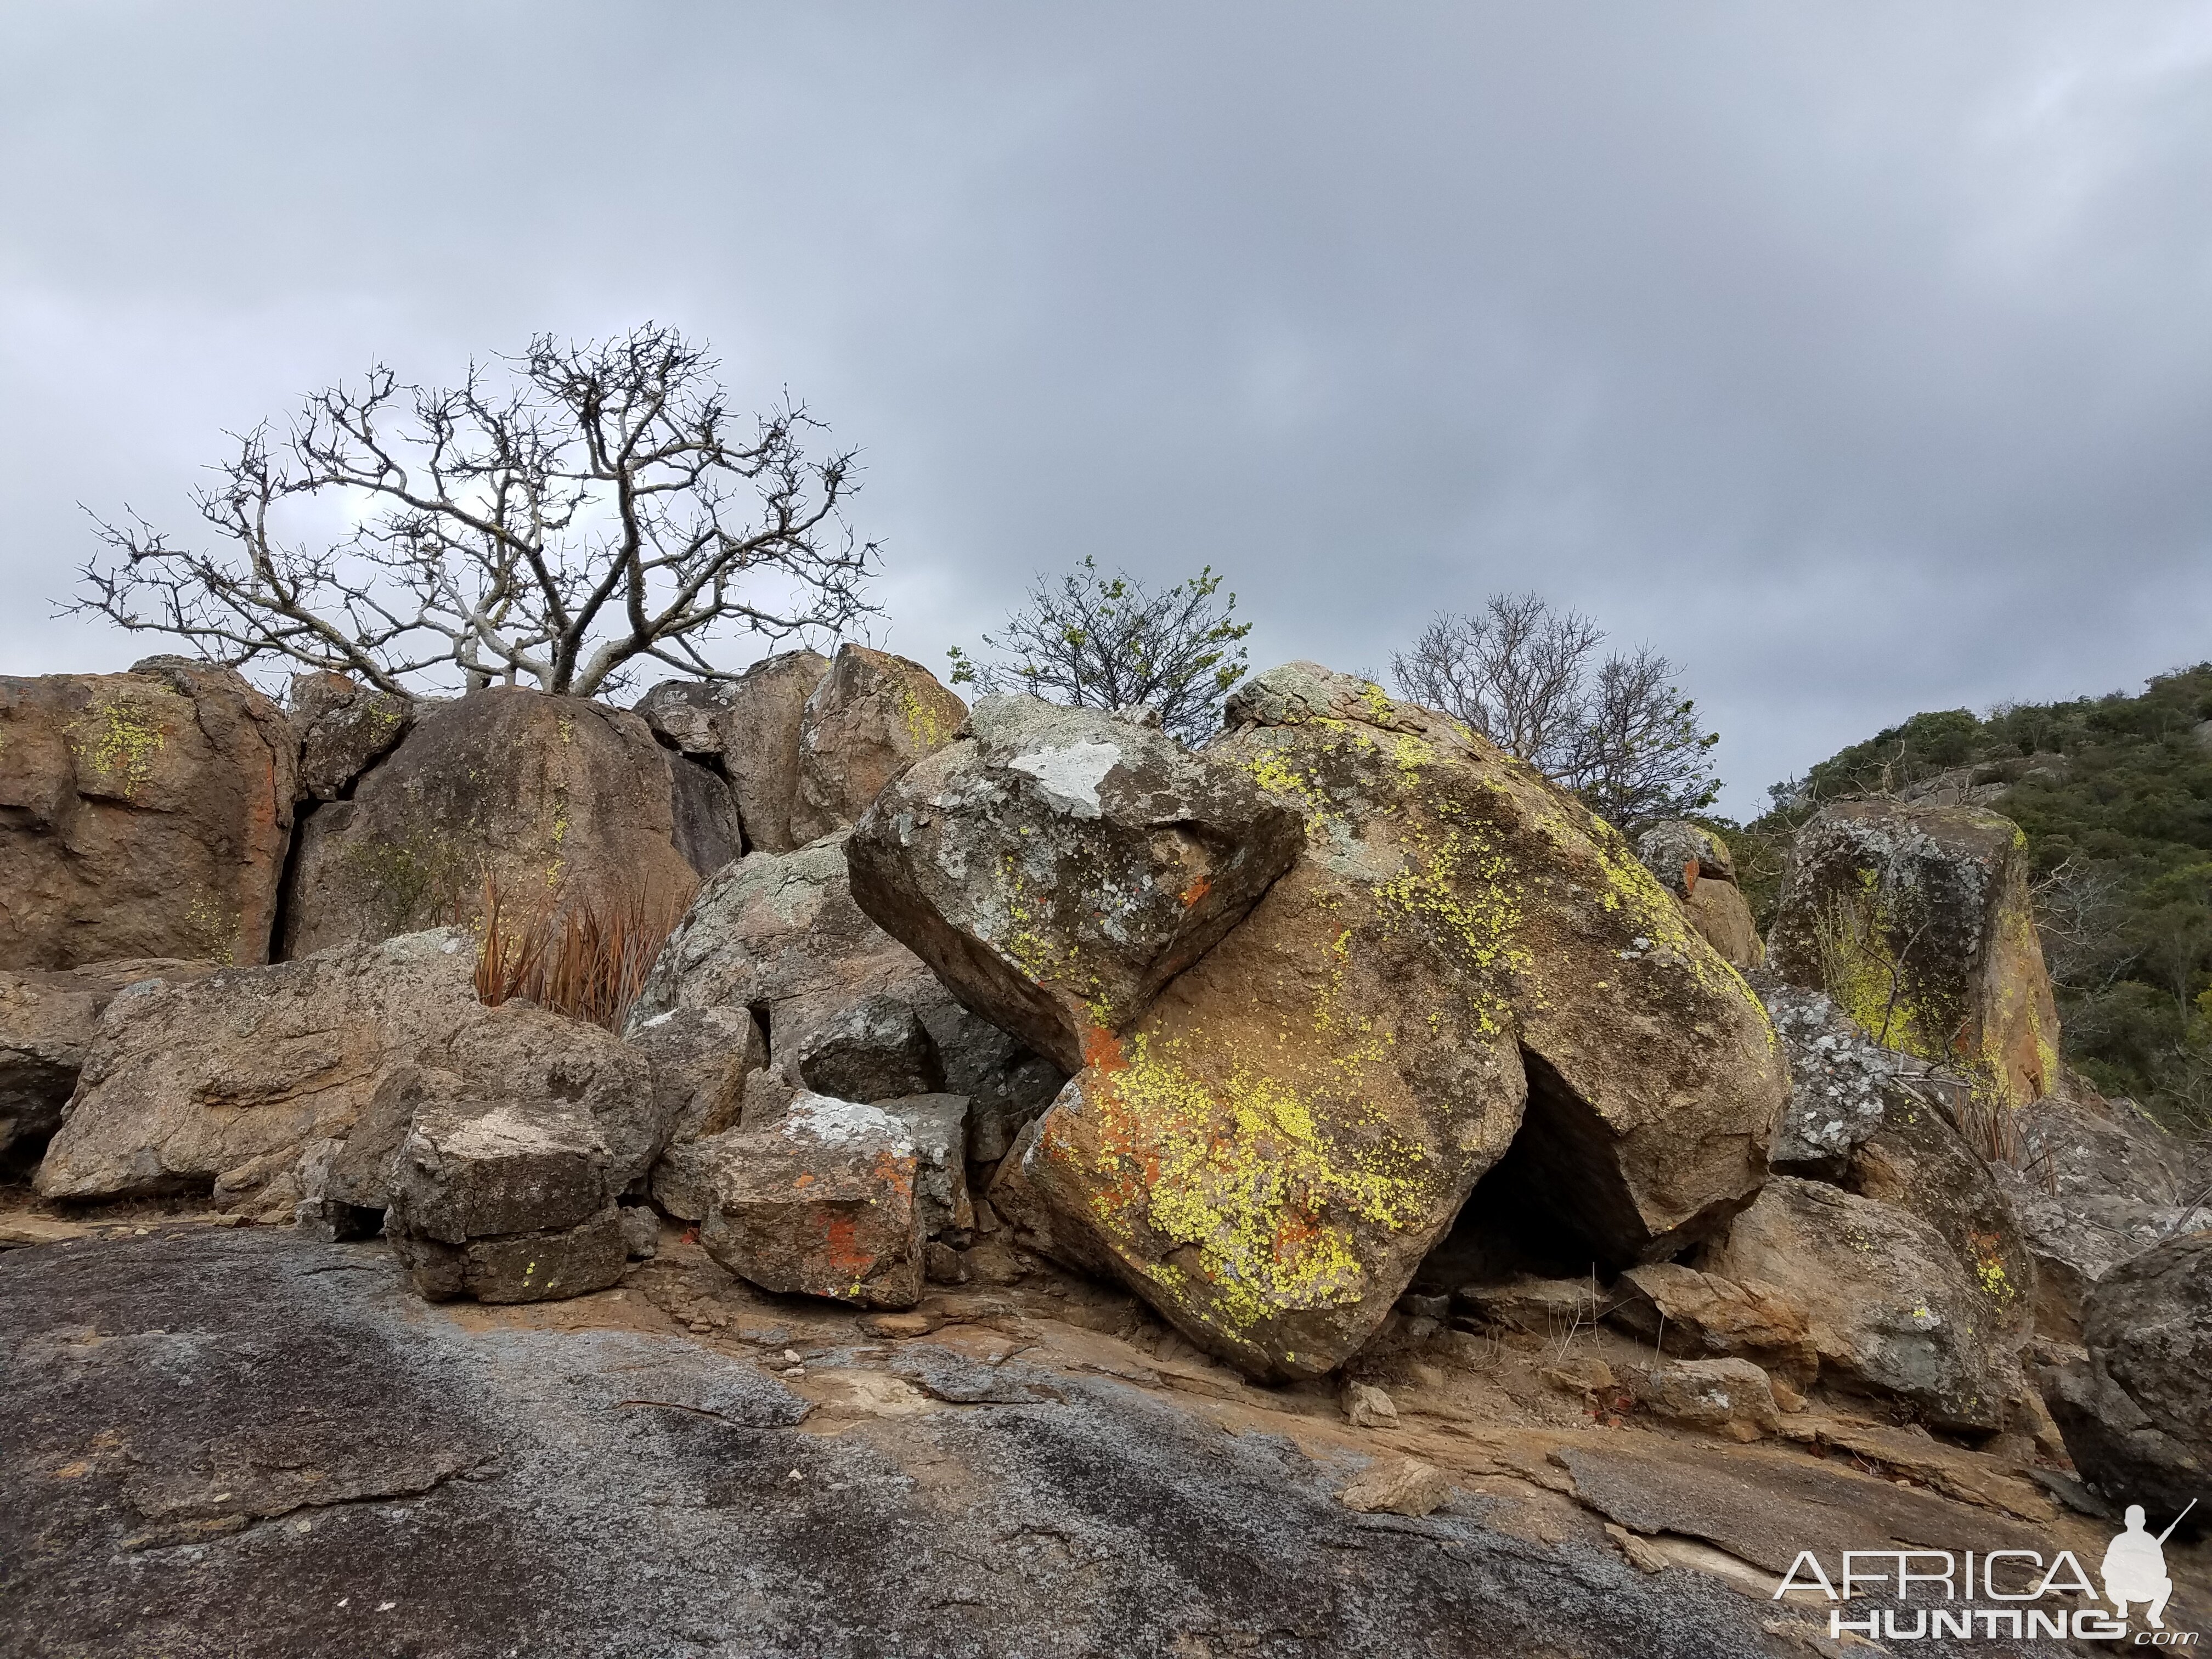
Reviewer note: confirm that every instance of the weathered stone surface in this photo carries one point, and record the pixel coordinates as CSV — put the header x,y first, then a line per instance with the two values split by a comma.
x,y
558,799
689,1174
1366,1407
1056,866
1397,1485
343,728
870,716
1549,1308
936,1124
1703,1316
779,934
2092,1189
224,1084
1839,1078
537,1266
1269,1152
703,816
2136,1413
1027,1220
144,814
1694,864
1917,1163
749,728
1890,1309
1916,920
700,1060
1730,1397
876,1048
640,1232
475,1170
822,1203
47,1020
241,1363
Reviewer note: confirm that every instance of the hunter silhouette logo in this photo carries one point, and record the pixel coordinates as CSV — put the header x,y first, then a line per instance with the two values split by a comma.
x,y
2134,1567
2000,1594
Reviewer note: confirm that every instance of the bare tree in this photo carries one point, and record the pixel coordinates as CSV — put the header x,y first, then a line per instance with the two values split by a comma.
x,y
552,518
1616,730
1111,642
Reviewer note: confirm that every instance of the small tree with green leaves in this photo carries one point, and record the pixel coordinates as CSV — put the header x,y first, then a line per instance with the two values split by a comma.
x,y
1101,641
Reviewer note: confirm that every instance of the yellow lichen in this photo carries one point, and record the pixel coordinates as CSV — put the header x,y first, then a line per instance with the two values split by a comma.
x,y
118,738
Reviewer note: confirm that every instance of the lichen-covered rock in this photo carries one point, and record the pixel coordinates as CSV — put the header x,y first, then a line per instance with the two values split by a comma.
x,y
47,1021
537,1266
1271,1149
700,1060
1891,1310
2136,1413
344,728
936,1124
1694,864
748,729
821,1203
476,1169
874,1049
1700,1315
558,799
870,716
223,1085
1839,1078
1916,920
144,814
2091,1189
1056,866
1917,1162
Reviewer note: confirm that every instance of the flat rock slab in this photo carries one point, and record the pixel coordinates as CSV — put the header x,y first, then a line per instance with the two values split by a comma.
x,y
487,1487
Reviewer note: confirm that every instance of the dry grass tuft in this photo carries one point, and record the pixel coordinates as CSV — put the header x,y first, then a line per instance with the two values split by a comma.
x,y
587,959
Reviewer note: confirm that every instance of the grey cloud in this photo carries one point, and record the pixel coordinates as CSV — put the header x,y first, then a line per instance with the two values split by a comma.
x,y
1855,356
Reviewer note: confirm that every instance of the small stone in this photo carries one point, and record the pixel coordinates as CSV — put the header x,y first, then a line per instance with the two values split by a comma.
x,y
1397,1485
944,1265
1366,1407
640,1229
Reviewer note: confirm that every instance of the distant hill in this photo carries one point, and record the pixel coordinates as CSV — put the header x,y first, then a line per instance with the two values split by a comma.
x,y
2115,795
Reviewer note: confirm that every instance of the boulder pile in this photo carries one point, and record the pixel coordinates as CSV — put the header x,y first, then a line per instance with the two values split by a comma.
x,y
1342,1034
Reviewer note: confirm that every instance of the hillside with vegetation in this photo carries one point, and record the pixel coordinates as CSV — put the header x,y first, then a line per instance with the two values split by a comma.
x,y
2115,795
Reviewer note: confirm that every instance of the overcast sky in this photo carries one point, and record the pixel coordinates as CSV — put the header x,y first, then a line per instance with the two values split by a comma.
x,y
1858,356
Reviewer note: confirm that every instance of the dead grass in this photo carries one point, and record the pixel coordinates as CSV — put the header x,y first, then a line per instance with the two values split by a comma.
x,y
587,958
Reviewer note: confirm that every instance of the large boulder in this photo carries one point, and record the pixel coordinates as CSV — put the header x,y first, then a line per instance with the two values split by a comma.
x,y
1839,1078
557,799
222,1085
1890,1310
748,729
876,1049
2136,1413
144,814
1694,864
702,1059
344,728
1056,866
269,1087
2093,1184
47,1021
1916,920
822,1202
871,716
1271,1149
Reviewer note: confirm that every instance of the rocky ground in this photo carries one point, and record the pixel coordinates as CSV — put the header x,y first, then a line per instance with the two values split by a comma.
x,y
239,1441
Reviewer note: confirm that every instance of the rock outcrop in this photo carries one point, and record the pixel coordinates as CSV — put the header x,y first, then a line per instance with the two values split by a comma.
x,y
747,730
822,1203
1700,1315
1694,864
870,716
1889,1308
2136,1413
222,1085
144,814
47,1021
558,799
1916,920
1272,1147
1057,866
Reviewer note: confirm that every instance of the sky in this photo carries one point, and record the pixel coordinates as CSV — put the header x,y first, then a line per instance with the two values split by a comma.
x,y
1857,356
